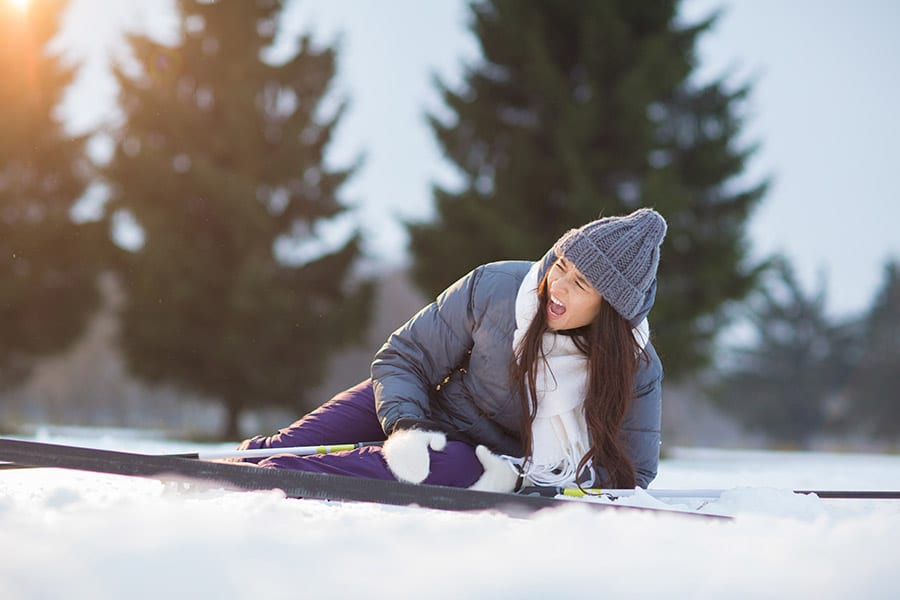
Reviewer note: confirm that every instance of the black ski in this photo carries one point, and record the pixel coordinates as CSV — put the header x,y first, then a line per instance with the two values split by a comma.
x,y
295,484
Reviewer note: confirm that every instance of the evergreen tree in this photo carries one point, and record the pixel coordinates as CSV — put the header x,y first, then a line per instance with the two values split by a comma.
x,y
47,271
220,158
785,383
586,108
874,388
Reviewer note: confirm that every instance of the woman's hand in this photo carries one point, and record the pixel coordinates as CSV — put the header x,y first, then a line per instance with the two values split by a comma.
x,y
406,453
499,474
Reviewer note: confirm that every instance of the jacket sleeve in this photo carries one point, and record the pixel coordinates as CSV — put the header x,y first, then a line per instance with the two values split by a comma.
x,y
421,353
644,443
641,429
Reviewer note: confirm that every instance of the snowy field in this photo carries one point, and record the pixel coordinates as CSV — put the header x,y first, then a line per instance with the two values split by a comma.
x,y
72,535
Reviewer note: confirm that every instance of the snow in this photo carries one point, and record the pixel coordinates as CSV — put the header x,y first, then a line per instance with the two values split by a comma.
x,y
76,535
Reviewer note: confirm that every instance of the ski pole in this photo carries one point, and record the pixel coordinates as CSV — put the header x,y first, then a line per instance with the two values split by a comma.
x,y
264,452
253,453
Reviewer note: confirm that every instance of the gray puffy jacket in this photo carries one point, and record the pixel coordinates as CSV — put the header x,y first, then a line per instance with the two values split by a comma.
x,y
447,369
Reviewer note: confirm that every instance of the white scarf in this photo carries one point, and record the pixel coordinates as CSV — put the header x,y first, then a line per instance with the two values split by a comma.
x,y
559,431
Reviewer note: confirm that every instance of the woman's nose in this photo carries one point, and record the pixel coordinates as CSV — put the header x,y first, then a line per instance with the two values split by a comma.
x,y
560,286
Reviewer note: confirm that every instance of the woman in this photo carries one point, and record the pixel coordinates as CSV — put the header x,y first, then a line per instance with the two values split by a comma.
x,y
519,373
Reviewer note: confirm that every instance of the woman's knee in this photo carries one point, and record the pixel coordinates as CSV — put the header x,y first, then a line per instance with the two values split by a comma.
x,y
456,465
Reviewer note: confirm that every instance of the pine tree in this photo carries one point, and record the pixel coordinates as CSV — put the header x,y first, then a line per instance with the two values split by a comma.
x,y
585,108
785,384
220,158
47,272
874,388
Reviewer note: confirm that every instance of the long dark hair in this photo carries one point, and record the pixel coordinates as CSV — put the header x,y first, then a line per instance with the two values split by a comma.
x,y
613,359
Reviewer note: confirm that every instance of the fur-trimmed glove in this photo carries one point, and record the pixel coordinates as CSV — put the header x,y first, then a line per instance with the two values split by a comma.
x,y
406,453
499,474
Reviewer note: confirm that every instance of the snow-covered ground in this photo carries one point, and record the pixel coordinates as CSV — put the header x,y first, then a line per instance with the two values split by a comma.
x,y
79,535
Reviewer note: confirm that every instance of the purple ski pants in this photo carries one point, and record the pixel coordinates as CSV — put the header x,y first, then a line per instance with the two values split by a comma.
x,y
350,417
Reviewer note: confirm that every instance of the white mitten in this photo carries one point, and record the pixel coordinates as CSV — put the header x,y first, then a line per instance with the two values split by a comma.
x,y
499,474
406,453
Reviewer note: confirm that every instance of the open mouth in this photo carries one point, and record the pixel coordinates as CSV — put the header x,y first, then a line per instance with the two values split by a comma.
x,y
556,307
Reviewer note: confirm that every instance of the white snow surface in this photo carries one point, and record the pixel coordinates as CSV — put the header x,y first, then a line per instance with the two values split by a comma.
x,y
68,534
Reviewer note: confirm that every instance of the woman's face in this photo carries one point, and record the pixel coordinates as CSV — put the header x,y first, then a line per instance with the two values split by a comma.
x,y
572,301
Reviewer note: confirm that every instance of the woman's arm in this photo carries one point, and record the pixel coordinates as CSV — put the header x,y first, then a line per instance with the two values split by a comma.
x,y
644,443
641,429
421,353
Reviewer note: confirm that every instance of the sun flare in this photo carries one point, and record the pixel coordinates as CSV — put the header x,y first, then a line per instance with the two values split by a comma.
x,y
20,4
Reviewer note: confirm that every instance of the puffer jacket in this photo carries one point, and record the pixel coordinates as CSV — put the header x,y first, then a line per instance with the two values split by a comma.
x,y
447,369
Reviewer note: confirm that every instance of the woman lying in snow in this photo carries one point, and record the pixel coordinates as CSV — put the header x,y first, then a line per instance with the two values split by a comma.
x,y
537,373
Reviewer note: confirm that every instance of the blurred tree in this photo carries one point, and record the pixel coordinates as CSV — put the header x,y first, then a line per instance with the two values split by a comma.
x,y
220,160
583,108
47,272
787,381
873,391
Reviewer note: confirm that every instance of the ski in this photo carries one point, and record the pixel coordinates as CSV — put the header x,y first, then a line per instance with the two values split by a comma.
x,y
264,452
295,484
706,493
253,453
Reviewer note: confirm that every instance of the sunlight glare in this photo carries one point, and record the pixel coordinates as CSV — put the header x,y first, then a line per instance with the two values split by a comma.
x,y
20,4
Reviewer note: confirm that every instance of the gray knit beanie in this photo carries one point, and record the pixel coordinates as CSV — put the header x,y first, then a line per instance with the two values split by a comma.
x,y
618,256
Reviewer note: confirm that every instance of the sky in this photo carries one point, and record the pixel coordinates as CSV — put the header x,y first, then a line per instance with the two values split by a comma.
x,y
826,84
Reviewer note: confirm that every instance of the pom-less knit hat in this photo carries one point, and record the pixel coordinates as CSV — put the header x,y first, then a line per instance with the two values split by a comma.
x,y
618,256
